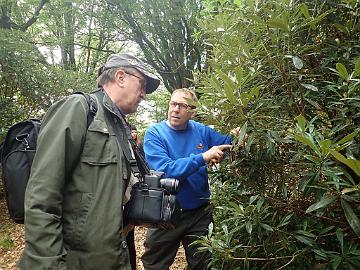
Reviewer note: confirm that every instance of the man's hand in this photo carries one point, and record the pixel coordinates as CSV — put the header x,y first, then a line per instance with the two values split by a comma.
x,y
216,153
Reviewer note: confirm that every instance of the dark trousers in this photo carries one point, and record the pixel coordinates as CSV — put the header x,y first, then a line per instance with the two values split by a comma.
x,y
130,241
161,246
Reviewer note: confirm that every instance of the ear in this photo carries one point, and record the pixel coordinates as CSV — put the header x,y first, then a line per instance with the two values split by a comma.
x,y
119,76
193,114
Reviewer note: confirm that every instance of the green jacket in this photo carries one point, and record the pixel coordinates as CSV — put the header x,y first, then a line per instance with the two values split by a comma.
x,y
73,201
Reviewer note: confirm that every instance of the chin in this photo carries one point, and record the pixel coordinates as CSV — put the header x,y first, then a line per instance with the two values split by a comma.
x,y
133,110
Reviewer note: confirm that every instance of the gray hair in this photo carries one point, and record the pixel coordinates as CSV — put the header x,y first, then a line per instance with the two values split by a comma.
x,y
108,75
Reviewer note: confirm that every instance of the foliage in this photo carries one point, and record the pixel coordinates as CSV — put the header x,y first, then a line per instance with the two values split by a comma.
x,y
287,73
19,15
165,30
81,33
50,48
6,243
31,78
27,85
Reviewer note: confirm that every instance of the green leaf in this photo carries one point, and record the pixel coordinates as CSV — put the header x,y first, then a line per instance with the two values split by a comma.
x,y
266,227
215,83
351,217
305,233
314,103
260,203
349,190
310,87
341,27
341,69
305,11
253,198
278,23
229,87
297,62
242,134
320,17
254,92
357,67
237,207
340,237
335,262
348,137
239,74
354,164
307,139
230,94
305,240
320,253
325,143
238,2
326,200
325,146
249,227
326,229
225,229
355,252
285,220
301,122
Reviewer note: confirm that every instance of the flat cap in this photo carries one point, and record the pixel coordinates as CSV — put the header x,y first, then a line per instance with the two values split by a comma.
x,y
128,60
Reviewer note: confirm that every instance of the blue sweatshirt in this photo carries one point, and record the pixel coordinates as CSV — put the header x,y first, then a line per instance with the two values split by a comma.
x,y
178,153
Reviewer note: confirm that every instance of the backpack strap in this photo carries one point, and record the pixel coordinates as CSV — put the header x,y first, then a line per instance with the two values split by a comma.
x,y
90,117
92,107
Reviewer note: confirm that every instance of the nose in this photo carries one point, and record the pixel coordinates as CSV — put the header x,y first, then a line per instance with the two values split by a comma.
x,y
176,108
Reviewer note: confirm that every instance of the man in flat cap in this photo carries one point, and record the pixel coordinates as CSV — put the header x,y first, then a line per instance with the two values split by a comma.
x,y
75,195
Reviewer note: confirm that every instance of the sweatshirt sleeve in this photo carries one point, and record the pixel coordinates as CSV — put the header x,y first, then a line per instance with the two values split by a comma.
x,y
158,158
216,138
58,150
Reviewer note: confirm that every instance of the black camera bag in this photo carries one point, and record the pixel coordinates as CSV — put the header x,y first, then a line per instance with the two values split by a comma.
x,y
152,207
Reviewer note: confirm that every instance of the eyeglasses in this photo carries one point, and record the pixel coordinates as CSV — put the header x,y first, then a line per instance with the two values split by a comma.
x,y
184,106
141,79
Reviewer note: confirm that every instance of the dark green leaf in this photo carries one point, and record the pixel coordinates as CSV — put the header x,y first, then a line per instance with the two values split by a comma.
x,y
267,227
310,87
297,62
351,217
326,200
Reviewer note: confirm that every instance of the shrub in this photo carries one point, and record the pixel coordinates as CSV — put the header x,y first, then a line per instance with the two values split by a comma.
x,y
287,73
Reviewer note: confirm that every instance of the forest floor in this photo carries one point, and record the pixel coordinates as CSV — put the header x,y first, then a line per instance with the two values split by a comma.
x,y
12,243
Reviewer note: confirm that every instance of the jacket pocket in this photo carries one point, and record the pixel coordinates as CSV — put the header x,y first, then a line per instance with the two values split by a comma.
x,y
100,146
75,227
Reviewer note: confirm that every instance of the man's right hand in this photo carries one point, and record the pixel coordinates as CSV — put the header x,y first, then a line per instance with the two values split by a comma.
x,y
216,153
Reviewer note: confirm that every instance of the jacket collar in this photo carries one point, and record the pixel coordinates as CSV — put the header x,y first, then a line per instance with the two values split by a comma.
x,y
111,106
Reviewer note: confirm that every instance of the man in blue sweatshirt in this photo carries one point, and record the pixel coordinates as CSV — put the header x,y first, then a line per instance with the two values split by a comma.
x,y
181,148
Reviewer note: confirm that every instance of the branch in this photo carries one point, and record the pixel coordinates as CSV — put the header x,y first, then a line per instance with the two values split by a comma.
x,y
33,19
93,48
80,45
260,259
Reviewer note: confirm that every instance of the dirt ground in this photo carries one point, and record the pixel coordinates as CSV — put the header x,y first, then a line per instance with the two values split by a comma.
x,y
12,243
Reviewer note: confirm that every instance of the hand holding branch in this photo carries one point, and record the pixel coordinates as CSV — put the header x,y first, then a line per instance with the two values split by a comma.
x,y
216,153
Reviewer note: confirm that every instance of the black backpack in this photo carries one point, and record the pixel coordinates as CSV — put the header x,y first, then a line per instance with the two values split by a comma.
x,y
16,155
